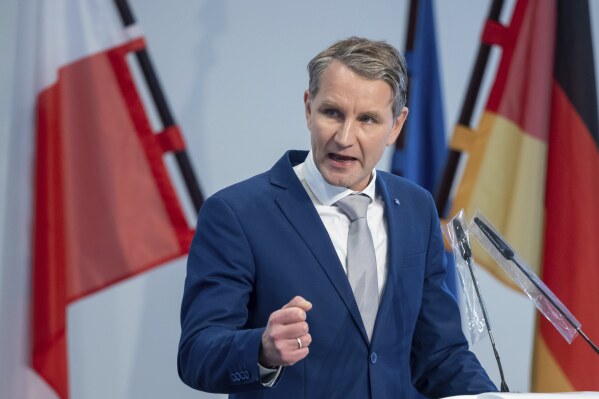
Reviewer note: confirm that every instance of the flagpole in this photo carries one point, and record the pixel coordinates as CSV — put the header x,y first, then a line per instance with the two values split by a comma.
x,y
453,158
163,109
401,140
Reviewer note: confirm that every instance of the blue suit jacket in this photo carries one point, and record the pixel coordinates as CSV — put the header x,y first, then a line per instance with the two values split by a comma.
x,y
261,242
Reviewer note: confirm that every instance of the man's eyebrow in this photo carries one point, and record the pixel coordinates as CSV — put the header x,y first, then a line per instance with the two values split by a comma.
x,y
372,114
328,104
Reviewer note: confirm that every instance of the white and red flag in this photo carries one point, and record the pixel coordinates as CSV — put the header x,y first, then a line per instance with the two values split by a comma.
x,y
90,202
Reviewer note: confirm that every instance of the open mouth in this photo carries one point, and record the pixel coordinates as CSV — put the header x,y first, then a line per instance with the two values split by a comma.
x,y
341,158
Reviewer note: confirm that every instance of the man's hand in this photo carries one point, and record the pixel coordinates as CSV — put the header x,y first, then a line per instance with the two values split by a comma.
x,y
280,345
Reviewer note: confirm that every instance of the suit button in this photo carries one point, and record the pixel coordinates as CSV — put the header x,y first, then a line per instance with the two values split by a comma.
x,y
373,357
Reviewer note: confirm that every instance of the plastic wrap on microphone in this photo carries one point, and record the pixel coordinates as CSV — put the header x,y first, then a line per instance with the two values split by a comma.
x,y
456,234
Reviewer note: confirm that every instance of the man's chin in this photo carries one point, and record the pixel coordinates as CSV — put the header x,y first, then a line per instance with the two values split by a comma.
x,y
345,179
333,178
340,181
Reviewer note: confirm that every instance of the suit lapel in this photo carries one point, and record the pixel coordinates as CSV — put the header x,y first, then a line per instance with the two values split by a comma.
x,y
394,215
299,210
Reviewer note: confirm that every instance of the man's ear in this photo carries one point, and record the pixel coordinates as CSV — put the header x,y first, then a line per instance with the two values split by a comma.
x,y
397,125
307,103
307,107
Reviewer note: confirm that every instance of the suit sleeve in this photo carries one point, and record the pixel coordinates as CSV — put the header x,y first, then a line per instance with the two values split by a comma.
x,y
217,352
442,364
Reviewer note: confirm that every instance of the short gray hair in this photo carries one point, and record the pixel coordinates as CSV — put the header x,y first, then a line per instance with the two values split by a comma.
x,y
375,60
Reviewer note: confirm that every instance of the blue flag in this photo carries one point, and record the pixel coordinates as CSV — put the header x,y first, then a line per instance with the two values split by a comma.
x,y
424,153
425,149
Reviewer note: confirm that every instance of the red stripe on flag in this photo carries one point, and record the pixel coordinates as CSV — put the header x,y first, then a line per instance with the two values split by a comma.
x,y
105,207
522,88
571,256
49,283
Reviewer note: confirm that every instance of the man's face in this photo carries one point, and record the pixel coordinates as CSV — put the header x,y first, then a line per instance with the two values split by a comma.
x,y
351,123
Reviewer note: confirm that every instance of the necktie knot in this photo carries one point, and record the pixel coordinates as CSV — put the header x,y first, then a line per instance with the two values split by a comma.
x,y
354,206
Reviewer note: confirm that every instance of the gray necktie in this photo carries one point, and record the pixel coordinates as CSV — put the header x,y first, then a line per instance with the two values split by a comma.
x,y
361,259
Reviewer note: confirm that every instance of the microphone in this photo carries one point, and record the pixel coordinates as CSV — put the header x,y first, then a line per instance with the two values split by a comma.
x,y
508,254
497,242
463,243
466,253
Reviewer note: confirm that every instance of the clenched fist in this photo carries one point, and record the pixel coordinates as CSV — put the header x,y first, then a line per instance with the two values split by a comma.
x,y
286,339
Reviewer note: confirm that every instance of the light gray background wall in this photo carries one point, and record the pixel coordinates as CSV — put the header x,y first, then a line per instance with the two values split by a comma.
x,y
234,74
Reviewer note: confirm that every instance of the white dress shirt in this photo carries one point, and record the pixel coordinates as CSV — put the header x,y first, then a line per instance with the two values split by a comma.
x,y
324,196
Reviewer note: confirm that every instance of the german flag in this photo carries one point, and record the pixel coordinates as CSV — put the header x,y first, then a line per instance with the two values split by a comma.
x,y
571,255
533,169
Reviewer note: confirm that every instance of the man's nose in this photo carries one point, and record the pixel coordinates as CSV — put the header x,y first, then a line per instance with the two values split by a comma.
x,y
346,134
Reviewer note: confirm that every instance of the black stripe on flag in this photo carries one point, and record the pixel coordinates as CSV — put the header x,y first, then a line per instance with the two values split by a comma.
x,y
574,68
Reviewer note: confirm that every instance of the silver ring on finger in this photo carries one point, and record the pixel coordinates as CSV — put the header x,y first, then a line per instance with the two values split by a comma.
x,y
299,343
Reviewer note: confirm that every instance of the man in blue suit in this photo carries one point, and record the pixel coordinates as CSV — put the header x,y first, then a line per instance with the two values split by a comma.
x,y
268,310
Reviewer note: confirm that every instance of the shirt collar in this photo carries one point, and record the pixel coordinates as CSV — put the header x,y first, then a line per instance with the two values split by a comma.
x,y
326,193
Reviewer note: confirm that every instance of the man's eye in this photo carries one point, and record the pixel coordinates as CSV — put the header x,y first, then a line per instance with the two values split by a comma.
x,y
367,119
331,113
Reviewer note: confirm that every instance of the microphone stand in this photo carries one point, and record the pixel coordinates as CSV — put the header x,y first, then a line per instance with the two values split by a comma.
x,y
508,254
466,253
